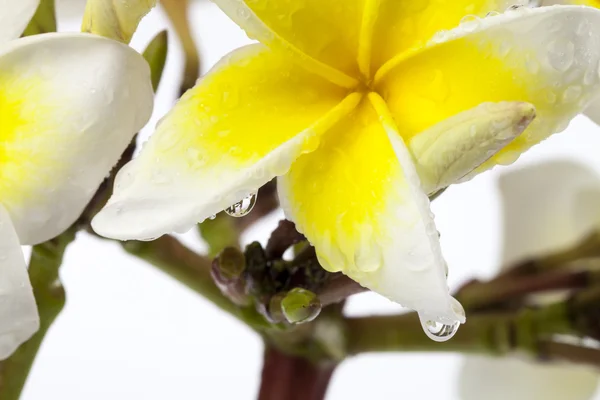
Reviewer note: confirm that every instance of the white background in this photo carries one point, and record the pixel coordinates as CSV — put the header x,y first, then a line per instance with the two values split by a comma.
x,y
130,332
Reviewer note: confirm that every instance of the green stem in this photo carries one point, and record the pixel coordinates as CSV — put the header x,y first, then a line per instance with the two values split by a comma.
x,y
46,259
193,270
177,11
494,333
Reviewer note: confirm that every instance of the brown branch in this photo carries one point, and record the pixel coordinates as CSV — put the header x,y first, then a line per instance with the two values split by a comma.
x,y
587,248
339,288
581,355
293,378
282,238
478,295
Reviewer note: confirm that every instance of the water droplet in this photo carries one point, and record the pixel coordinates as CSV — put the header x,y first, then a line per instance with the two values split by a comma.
x,y
550,97
470,23
504,48
440,36
243,13
300,306
242,207
590,77
561,54
438,331
572,94
533,66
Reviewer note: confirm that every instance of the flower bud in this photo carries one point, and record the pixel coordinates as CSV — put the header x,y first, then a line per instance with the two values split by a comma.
x,y
449,151
231,263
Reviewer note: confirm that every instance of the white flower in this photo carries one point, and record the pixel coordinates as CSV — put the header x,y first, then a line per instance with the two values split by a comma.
x,y
547,207
361,109
69,106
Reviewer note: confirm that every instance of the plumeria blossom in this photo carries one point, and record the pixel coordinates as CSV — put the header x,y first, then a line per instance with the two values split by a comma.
x,y
362,108
69,106
539,220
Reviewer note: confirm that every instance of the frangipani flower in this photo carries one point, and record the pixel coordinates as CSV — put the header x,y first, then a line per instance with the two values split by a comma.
x,y
361,108
69,105
538,220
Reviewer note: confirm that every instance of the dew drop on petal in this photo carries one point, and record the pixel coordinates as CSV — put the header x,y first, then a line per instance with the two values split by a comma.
x,y
470,23
242,207
561,54
243,13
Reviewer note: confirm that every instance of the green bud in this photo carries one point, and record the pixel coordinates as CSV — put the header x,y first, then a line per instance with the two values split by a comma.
x,y
44,19
117,20
231,263
275,311
156,55
300,305
450,151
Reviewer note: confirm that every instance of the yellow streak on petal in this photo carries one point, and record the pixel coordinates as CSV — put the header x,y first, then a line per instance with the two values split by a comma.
x,y
18,130
339,193
443,81
407,24
503,62
365,45
253,101
326,30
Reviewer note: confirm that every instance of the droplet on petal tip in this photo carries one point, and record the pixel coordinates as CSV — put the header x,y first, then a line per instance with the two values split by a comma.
x,y
442,331
439,331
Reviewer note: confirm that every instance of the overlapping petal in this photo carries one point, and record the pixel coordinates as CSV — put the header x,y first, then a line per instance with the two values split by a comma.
x,y
547,57
324,35
593,111
14,17
245,123
69,105
403,25
18,310
358,200
117,20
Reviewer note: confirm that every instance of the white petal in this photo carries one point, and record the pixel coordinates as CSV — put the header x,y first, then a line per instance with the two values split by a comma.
x,y
18,310
14,17
69,106
548,207
514,379
593,111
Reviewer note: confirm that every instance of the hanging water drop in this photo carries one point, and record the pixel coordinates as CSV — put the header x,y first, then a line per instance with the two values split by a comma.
x,y
242,207
438,331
